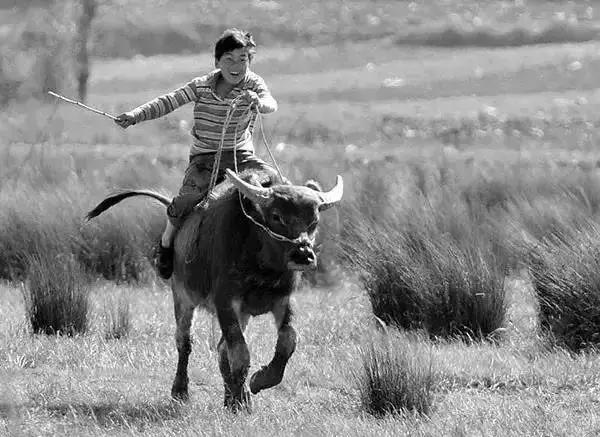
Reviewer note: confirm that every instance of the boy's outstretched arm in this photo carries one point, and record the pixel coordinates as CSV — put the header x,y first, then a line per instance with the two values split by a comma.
x,y
266,103
159,106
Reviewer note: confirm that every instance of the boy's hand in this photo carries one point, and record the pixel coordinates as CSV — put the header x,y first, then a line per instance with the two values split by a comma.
x,y
251,97
125,120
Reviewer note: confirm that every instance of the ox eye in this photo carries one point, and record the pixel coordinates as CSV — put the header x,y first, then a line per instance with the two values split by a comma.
x,y
277,218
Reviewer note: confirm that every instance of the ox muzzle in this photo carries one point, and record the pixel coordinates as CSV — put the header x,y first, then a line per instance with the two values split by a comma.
x,y
302,255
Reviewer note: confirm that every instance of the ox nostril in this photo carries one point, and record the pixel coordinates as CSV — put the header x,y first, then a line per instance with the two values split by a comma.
x,y
310,255
303,255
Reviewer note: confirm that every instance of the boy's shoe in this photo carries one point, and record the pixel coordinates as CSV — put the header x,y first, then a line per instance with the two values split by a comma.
x,y
164,261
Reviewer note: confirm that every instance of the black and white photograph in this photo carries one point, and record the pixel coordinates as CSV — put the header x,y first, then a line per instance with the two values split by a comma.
x,y
300,218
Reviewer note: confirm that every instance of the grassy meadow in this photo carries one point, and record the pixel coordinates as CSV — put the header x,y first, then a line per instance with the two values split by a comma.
x,y
459,283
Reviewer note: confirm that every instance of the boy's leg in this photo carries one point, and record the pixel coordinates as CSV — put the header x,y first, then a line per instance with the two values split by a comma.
x,y
248,160
193,189
168,234
164,252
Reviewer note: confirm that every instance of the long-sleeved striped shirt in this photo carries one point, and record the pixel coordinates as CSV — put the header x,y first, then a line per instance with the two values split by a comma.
x,y
210,111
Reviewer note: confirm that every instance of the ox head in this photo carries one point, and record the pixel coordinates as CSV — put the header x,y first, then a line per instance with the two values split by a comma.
x,y
289,214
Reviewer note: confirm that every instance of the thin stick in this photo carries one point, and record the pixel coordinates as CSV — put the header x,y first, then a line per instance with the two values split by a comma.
x,y
74,102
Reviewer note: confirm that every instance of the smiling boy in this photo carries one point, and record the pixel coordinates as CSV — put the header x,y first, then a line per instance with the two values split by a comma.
x,y
212,95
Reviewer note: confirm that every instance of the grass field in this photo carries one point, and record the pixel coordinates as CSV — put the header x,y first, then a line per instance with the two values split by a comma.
x,y
454,141
88,385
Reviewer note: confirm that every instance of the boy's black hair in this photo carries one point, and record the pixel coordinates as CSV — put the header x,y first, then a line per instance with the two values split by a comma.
x,y
234,39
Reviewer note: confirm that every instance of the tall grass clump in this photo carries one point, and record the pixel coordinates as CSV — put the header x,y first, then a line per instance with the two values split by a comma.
x,y
42,208
565,270
395,378
56,294
431,264
117,317
120,246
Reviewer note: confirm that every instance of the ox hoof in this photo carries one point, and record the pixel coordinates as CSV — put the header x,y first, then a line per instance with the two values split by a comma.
x,y
180,396
265,378
179,392
240,403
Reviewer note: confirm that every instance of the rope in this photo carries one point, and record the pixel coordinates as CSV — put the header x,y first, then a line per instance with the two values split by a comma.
x,y
217,162
266,143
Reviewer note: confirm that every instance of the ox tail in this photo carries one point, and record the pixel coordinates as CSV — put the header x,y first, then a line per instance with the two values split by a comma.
x,y
111,201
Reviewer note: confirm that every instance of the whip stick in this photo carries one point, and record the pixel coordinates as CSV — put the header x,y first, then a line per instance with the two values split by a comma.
x,y
74,102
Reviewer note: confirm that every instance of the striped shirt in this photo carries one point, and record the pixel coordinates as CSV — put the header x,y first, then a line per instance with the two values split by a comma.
x,y
210,111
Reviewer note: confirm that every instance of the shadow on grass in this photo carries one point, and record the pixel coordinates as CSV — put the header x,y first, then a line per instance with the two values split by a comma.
x,y
116,413
6,410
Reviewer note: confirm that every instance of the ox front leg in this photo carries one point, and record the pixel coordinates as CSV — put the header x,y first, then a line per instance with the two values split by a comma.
x,y
184,313
272,374
234,359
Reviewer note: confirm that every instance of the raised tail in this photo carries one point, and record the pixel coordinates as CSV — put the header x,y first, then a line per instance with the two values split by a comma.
x,y
112,200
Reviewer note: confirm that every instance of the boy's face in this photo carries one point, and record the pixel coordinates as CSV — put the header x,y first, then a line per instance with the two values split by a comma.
x,y
234,65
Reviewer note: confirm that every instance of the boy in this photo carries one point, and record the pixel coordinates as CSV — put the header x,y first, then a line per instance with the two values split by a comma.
x,y
211,94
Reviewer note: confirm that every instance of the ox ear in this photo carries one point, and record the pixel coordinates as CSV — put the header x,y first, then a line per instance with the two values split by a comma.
x,y
333,196
259,195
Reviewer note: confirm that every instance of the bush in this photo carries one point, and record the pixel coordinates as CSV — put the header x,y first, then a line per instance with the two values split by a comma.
x,y
120,246
565,269
426,281
394,378
42,209
56,294
431,263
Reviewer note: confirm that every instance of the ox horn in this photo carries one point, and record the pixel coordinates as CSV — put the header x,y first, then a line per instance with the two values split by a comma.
x,y
333,196
255,193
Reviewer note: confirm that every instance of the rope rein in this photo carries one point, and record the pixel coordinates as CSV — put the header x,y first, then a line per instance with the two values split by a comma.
x,y
217,163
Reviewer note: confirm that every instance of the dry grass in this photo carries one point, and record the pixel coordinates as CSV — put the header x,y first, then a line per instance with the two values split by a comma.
x,y
395,378
117,316
564,269
56,294
87,385
436,264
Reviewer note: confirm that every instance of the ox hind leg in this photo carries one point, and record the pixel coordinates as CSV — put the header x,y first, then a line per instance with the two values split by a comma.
x,y
234,359
184,313
272,374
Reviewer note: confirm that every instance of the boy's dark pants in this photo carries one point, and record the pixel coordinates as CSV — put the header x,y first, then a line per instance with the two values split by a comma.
x,y
197,178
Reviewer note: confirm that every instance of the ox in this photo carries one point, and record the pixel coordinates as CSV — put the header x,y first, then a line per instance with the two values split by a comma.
x,y
240,256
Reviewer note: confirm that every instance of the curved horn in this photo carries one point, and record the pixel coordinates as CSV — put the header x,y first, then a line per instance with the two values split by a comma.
x,y
333,196
255,193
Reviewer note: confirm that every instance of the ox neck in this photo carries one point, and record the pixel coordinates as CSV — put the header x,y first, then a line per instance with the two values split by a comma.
x,y
271,254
